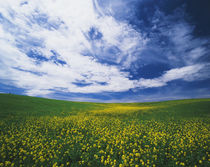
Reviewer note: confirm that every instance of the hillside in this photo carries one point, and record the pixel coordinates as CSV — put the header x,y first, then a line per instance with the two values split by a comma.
x,y
14,106
51,133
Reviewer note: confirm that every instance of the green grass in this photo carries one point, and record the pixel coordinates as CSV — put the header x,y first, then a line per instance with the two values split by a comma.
x,y
16,106
45,132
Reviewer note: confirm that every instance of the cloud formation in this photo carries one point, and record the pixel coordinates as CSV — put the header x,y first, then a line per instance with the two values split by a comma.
x,y
89,46
31,33
187,73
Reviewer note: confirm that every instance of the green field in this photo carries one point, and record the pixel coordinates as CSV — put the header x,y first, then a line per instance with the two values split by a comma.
x,y
44,132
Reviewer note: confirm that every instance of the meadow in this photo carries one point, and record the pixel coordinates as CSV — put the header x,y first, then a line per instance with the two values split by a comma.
x,y
43,132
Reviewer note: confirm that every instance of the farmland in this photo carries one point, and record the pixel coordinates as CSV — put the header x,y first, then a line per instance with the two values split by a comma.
x,y
44,132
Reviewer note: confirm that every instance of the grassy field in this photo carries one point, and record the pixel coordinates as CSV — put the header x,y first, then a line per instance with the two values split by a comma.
x,y
44,132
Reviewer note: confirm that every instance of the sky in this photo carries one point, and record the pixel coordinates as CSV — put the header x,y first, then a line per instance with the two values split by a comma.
x,y
105,50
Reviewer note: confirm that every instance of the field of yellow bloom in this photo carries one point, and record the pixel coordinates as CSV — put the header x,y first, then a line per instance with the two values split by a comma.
x,y
117,135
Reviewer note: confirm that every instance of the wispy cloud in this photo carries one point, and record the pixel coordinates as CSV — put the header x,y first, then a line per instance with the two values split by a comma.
x,y
34,31
187,73
91,47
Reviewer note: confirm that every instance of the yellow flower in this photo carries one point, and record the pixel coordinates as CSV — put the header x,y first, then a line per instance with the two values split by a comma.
x,y
7,163
55,164
96,156
182,164
138,154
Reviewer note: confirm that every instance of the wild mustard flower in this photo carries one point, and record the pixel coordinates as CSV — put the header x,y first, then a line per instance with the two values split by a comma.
x,y
90,140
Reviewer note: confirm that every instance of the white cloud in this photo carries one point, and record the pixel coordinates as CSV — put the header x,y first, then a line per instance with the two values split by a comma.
x,y
178,44
187,73
69,40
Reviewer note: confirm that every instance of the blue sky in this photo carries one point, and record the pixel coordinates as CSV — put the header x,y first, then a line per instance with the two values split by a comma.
x,y
105,50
